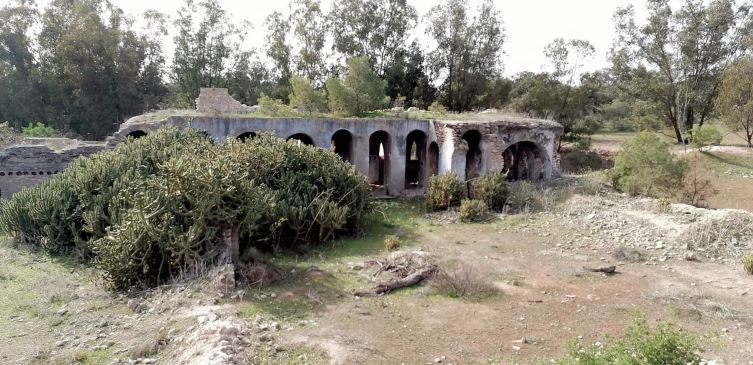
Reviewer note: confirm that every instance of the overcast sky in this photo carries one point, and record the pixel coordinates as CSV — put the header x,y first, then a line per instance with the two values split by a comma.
x,y
530,24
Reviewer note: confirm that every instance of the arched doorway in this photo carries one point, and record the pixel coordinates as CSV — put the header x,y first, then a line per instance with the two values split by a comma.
x,y
136,134
432,161
342,145
473,157
302,138
380,144
243,137
415,159
524,161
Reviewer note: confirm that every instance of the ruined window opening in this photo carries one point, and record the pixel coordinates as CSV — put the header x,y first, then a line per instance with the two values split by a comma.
x,y
379,159
243,137
523,161
433,159
303,139
342,145
415,159
473,157
136,134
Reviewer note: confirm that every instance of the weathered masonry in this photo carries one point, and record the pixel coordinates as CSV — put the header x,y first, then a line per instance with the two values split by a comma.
x,y
397,155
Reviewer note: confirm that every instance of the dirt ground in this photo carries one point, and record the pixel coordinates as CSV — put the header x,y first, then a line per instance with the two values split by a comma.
x,y
54,310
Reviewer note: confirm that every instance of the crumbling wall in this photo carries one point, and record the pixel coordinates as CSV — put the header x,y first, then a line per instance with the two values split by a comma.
x,y
28,165
219,101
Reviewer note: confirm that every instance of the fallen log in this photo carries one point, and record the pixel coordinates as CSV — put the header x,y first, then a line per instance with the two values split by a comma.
x,y
410,280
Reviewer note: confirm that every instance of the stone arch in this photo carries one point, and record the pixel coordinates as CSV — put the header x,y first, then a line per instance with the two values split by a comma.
x,y
380,144
243,137
136,134
302,138
342,144
474,155
415,159
524,160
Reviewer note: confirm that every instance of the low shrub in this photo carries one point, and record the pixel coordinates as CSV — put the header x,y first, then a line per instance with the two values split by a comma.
x,y
696,186
665,344
472,210
526,197
463,281
491,189
706,135
443,191
663,205
38,129
579,161
391,243
748,264
157,206
645,166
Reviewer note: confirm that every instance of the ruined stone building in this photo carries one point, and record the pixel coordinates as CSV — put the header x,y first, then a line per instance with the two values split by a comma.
x,y
397,155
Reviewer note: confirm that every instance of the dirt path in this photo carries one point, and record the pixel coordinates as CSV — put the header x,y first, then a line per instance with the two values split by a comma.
x,y
548,300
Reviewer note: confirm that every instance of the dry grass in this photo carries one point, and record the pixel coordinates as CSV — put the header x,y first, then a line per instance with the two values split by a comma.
x,y
258,274
720,236
748,264
463,281
391,243
627,254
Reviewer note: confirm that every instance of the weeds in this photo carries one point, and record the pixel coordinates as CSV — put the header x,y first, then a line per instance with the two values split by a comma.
x,y
391,243
748,264
463,281
472,211
665,344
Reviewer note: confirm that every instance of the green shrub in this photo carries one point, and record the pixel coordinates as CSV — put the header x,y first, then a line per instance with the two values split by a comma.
x,y
645,166
437,108
665,345
706,135
443,191
579,161
38,129
492,190
472,210
305,98
748,264
158,205
274,107
391,242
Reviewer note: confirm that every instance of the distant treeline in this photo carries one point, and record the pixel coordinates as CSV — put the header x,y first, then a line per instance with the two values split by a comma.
x,y
83,66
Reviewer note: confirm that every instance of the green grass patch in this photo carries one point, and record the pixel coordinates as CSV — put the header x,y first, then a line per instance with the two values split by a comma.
x,y
728,163
92,357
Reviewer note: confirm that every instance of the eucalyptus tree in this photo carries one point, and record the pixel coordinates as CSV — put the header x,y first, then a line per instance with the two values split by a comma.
x,y
467,52
17,63
675,59
735,101
377,29
310,31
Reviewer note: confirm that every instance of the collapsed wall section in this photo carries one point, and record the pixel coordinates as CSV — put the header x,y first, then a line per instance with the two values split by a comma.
x,y
28,165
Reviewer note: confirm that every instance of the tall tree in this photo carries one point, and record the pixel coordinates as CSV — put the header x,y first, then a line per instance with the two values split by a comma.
x,y
675,59
377,29
567,58
468,50
203,46
406,77
310,33
735,101
279,51
17,64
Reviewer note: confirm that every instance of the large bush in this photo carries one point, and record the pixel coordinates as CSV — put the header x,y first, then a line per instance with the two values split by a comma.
x,y
443,191
158,205
645,166
492,190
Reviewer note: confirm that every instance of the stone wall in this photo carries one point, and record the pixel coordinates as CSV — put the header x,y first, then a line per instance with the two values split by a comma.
x,y
526,146
217,100
29,165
